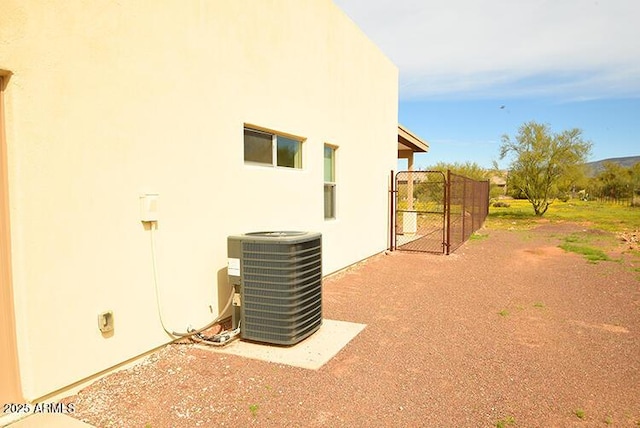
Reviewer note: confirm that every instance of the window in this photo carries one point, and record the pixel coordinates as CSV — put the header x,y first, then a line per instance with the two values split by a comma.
x,y
272,149
329,182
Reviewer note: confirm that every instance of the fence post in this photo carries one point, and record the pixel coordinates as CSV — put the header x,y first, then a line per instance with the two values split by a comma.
x,y
486,199
392,212
464,206
447,211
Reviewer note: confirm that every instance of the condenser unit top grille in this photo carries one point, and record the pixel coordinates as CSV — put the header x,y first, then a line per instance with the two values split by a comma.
x,y
278,234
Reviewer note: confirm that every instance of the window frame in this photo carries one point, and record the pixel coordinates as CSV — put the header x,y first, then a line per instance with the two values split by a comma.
x,y
330,184
298,163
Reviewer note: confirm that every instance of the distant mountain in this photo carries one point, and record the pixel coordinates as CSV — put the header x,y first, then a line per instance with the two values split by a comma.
x,y
597,166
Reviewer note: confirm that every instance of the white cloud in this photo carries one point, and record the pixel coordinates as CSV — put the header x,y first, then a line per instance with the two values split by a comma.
x,y
504,48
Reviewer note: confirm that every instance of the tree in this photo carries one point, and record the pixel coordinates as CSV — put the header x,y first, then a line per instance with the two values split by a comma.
x,y
614,181
468,169
635,179
543,162
435,190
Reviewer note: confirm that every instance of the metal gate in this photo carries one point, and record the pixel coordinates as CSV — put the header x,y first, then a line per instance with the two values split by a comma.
x,y
420,199
434,211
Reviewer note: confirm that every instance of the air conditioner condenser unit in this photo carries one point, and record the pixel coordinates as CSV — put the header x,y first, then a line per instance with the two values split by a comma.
x,y
277,280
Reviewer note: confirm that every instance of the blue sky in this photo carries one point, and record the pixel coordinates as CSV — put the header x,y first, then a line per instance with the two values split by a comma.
x,y
471,70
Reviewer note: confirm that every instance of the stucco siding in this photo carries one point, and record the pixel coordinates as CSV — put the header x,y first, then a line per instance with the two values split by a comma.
x,y
109,100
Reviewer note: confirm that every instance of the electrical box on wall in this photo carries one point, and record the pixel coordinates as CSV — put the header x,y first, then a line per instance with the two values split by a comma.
x,y
149,207
105,321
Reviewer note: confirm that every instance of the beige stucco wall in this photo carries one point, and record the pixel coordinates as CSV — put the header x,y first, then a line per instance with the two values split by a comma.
x,y
110,99
10,391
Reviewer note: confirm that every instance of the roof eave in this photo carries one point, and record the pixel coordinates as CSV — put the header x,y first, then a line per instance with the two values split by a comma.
x,y
407,140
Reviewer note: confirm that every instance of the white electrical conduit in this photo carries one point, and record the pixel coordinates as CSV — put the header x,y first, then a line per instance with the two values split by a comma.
x,y
152,226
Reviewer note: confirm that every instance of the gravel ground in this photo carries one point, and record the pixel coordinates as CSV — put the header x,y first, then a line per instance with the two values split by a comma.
x,y
508,331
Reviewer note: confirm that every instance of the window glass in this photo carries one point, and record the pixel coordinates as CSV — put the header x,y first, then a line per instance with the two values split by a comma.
x,y
258,147
289,152
329,201
272,149
328,164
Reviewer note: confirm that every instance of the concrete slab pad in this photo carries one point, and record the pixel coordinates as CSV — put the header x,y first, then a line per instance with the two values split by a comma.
x,y
312,353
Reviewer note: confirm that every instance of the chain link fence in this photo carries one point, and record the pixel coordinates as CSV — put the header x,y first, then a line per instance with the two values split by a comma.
x,y
468,203
434,211
420,208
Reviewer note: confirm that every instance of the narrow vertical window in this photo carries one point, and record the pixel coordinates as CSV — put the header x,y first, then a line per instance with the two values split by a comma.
x,y
329,182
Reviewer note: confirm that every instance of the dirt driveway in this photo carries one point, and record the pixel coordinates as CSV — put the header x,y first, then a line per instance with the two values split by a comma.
x,y
508,331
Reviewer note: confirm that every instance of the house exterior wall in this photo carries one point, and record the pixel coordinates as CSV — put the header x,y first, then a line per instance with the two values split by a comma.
x,y
109,100
10,381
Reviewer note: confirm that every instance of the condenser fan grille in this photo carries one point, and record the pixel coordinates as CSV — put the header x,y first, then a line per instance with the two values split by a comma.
x,y
281,286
